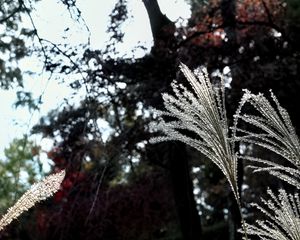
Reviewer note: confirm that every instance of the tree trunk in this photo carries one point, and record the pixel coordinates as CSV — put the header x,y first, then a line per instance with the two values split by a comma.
x,y
228,11
183,192
163,35
162,28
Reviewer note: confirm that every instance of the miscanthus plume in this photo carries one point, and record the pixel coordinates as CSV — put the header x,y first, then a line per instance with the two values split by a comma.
x,y
282,220
196,116
38,192
273,131
198,119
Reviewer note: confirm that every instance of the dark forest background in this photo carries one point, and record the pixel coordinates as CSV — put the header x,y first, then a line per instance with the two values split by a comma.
x,y
123,187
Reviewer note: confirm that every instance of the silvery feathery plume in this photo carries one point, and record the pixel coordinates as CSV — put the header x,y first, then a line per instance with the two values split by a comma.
x,y
283,221
277,135
203,114
39,191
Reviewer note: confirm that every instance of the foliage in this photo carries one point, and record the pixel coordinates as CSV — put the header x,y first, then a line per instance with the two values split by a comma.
x,y
95,217
18,170
124,88
12,44
17,42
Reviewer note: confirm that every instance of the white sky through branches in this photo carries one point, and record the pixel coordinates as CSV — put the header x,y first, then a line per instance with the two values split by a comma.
x,y
51,20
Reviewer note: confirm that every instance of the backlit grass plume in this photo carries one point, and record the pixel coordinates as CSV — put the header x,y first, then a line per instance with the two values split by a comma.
x,y
38,192
275,132
198,119
283,220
